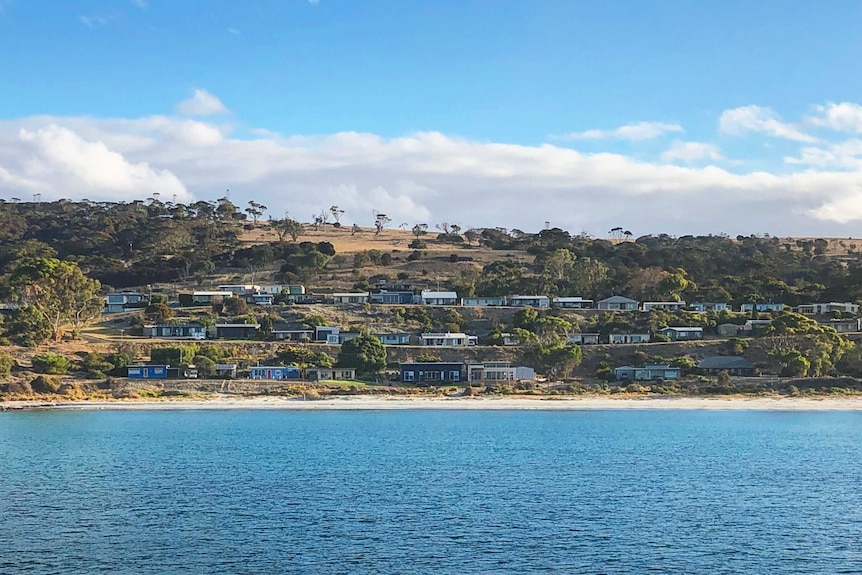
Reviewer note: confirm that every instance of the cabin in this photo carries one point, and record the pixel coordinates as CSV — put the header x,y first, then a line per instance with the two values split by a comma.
x,y
761,307
431,372
428,297
709,306
394,338
147,371
497,371
176,331
350,298
583,338
682,333
845,325
618,303
573,303
537,301
510,339
663,305
259,298
237,330
648,372
732,364
827,308
628,338
392,297
226,370
286,332
490,301
330,373
275,372
326,333
752,325
448,339
238,289
117,302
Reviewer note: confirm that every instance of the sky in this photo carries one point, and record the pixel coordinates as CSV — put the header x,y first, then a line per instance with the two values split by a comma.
x,y
663,116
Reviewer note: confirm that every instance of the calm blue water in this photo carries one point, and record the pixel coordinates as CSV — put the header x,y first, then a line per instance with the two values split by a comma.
x,y
431,492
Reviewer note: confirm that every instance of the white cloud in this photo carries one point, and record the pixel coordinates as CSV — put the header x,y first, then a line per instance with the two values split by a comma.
x,y
691,151
201,103
423,177
843,117
633,132
758,119
846,155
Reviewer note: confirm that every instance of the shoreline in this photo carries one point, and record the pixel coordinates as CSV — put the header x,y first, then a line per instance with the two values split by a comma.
x,y
372,403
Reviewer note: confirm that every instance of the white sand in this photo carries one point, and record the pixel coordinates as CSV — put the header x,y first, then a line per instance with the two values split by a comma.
x,y
401,402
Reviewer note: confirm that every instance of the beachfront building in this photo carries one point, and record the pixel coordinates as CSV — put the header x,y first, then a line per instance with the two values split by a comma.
x,y
497,371
732,364
618,303
628,338
275,372
330,374
226,370
479,301
431,372
650,371
428,297
664,305
147,371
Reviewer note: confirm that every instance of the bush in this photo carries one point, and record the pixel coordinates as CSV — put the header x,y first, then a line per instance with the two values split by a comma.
x,y
7,362
51,363
417,245
205,366
44,384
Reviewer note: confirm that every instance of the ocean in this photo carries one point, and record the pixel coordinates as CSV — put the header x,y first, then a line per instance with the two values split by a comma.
x,y
443,492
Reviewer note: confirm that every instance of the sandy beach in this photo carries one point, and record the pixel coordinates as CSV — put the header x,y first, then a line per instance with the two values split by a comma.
x,y
460,403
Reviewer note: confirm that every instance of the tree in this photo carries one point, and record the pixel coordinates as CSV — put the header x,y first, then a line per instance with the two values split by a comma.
x,y
286,227
59,291
255,210
51,363
336,214
7,362
365,353
420,230
204,365
380,221
471,236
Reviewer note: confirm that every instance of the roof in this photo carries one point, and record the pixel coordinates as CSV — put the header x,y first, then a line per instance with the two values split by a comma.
x,y
618,299
439,294
682,328
252,325
447,334
213,293
351,294
725,362
529,297
568,298
224,366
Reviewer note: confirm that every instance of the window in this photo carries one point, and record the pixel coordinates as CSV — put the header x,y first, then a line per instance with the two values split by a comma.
x,y
455,375
409,376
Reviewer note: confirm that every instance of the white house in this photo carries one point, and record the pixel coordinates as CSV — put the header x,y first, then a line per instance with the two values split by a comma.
x,y
478,301
448,339
496,371
428,297
583,338
708,306
825,308
664,305
618,303
540,301
238,289
628,338
573,302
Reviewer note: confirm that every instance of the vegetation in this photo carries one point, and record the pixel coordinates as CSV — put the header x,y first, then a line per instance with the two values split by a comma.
x,y
365,353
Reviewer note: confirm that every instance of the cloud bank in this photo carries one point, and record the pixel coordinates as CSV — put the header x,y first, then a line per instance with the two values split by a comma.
x,y
432,177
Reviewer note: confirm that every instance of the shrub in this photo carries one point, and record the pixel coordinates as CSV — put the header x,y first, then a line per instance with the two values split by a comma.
x,y
44,384
7,362
51,363
205,366
417,245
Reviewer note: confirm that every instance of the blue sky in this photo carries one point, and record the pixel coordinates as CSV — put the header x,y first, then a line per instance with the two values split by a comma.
x,y
766,93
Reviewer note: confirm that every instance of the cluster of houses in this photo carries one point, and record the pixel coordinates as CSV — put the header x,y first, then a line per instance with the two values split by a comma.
x,y
404,294
732,364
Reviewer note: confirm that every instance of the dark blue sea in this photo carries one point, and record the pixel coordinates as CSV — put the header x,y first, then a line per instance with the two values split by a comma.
x,y
401,492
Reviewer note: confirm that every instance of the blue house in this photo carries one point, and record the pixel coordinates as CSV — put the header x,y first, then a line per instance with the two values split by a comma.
x,y
275,372
431,372
147,371
768,306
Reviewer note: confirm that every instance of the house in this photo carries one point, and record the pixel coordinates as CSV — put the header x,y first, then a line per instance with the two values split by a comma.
x,y
176,331
431,372
392,297
285,332
275,372
394,338
709,306
618,303
732,364
116,302
510,339
238,289
539,301
682,333
356,297
346,336
845,325
747,307
478,301
294,293
448,339
826,308
209,297
496,371
237,330
147,371
573,302
428,297
326,333
728,329
274,289
330,373
753,324
649,372
583,338
628,338
664,305
259,298
227,370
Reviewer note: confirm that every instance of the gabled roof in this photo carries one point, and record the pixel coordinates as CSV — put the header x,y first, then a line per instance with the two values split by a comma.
x,y
682,328
725,362
618,299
